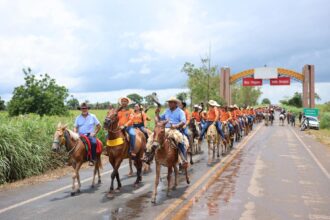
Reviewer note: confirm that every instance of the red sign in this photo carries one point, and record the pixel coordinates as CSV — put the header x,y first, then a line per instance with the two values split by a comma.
x,y
252,82
280,81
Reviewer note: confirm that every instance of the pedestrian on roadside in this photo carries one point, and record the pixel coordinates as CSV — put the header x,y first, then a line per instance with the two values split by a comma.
x,y
293,120
300,117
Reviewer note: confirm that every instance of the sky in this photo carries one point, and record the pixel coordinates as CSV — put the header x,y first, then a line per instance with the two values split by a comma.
x,y
104,49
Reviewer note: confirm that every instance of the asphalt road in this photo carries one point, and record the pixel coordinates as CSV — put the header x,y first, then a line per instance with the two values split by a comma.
x,y
275,172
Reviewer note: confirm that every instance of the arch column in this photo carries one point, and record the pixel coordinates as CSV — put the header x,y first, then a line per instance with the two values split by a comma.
x,y
225,92
308,94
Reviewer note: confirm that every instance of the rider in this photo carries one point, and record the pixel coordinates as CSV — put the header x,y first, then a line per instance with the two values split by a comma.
x,y
140,120
125,116
177,120
225,117
213,118
87,124
196,114
183,106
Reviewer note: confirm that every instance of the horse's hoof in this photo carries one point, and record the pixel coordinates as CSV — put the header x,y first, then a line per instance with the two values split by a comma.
x,y
153,200
130,174
78,191
191,162
99,182
110,195
117,190
188,181
92,186
136,185
174,188
73,193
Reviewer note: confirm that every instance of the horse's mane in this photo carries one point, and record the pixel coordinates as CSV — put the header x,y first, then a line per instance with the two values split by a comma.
x,y
74,135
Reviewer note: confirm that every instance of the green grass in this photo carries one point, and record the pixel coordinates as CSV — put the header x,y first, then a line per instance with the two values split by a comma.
x,y
25,143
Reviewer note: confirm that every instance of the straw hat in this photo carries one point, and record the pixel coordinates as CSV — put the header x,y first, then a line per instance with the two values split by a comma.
x,y
124,98
212,103
173,99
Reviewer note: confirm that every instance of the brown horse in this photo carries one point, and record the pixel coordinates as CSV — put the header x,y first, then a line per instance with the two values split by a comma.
x,y
77,154
166,154
117,149
213,141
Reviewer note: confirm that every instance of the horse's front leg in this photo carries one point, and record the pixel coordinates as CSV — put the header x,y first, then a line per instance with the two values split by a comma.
x,y
169,175
78,176
153,200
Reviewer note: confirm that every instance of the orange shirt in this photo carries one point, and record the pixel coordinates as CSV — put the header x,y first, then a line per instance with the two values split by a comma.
x,y
224,116
213,114
245,112
125,117
187,113
233,115
139,118
196,116
238,113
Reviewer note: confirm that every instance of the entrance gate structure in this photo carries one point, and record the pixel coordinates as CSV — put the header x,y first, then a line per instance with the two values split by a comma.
x,y
277,76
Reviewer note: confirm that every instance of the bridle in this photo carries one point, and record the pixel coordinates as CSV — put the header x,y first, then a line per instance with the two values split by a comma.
x,y
64,141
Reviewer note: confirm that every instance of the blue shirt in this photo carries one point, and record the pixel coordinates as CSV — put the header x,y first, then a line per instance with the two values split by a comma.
x,y
175,117
86,125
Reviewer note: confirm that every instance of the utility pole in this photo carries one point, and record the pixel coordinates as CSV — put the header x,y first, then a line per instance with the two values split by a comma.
x,y
208,73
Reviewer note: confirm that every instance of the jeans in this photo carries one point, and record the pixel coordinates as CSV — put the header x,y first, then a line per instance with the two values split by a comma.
x,y
131,132
217,125
93,146
231,127
185,132
142,128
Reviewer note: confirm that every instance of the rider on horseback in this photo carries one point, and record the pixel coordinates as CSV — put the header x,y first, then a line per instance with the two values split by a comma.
x,y
140,120
213,118
125,116
176,120
183,106
85,125
225,118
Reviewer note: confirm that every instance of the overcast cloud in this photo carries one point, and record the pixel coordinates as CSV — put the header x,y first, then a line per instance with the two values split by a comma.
x,y
102,47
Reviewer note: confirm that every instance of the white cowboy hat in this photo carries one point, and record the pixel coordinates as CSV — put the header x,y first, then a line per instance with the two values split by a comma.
x,y
122,98
173,99
217,105
212,103
200,107
196,106
235,106
231,106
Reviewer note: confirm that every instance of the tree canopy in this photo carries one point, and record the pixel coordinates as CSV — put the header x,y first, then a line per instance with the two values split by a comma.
x,y
135,98
40,95
266,101
2,105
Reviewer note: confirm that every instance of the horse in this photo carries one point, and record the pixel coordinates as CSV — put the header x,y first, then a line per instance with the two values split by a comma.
x,y
117,149
196,132
266,115
166,154
213,141
227,134
282,118
77,153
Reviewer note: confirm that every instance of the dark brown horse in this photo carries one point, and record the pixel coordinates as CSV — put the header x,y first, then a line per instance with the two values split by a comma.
x,y
77,154
117,149
166,154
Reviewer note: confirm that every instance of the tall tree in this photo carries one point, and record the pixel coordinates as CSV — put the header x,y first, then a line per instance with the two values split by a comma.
x,y
40,95
245,95
2,105
72,103
203,82
135,98
266,101
182,96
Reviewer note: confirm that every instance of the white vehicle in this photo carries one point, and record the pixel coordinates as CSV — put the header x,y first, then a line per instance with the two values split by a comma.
x,y
310,122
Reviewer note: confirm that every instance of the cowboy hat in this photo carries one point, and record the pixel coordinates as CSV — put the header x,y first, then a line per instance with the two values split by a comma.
x,y
231,106
212,103
122,98
217,105
83,106
173,99
196,106
235,106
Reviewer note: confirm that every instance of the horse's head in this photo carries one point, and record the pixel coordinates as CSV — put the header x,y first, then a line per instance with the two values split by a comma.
x,y
111,118
59,138
159,133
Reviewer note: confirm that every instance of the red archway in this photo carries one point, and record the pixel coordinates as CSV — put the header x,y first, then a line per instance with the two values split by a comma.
x,y
307,78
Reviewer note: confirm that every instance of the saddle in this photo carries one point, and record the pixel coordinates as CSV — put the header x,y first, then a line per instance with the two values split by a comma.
x,y
88,146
